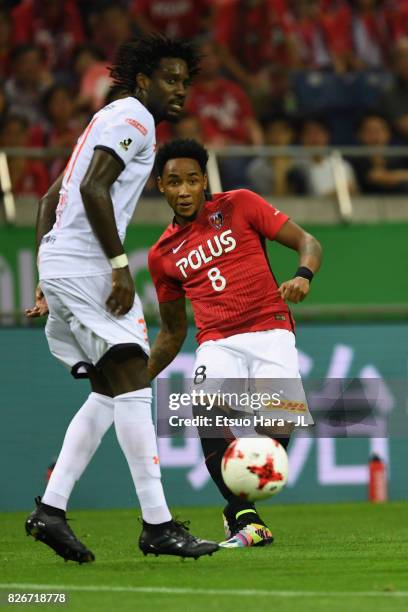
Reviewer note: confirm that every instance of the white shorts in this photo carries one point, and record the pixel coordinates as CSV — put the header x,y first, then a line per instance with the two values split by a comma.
x,y
251,364
80,330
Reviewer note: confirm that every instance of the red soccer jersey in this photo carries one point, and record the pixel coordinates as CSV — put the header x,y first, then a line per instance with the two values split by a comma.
x,y
56,35
221,110
255,33
219,263
33,181
173,18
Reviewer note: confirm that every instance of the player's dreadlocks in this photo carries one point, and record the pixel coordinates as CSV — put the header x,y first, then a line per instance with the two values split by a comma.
x,y
181,147
144,55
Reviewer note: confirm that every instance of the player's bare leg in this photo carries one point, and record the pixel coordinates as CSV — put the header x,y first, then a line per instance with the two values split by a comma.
x,y
48,522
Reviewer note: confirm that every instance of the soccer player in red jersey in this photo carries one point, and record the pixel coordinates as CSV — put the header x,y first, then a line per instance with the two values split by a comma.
x,y
213,253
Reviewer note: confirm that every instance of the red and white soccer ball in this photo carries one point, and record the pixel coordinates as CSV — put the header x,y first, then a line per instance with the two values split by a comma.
x,y
255,468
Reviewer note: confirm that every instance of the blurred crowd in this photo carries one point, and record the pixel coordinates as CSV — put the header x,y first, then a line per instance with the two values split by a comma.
x,y
274,72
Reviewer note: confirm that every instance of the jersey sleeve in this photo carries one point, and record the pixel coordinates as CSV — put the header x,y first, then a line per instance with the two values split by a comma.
x,y
124,138
167,288
263,217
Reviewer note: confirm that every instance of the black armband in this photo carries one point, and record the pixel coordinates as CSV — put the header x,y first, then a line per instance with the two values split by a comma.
x,y
304,273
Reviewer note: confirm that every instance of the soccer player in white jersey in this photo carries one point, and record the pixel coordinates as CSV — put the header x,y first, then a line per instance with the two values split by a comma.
x,y
95,323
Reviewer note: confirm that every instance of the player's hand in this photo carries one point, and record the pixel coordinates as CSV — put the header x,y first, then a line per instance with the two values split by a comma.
x,y
295,290
40,308
122,296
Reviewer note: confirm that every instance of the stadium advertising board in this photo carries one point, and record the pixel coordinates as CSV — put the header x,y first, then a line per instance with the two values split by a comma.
x,y
321,468
349,254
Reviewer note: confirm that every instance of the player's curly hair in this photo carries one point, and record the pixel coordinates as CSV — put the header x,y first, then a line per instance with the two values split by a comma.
x,y
144,54
181,147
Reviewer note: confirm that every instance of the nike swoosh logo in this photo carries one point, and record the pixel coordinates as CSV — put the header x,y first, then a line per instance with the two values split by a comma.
x,y
179,247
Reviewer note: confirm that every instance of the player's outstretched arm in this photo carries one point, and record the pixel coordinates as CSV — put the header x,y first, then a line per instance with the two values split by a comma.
x,y
102,172
310,258
171,336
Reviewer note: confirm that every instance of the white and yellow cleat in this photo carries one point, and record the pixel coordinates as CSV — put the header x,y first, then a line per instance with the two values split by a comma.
x,y
252,534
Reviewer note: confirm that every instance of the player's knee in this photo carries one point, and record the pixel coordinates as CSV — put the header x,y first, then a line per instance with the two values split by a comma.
x,y
126,371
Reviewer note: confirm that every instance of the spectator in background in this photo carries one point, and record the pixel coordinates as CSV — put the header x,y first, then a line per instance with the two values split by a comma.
x,y
339,34
28,176
5,44
397,18
173,18
188,127
111,28
314,175
312,43
222,107
394,102
91,71
30,79
53,25
224,112
272,175
3,102
370,35
377,173
335,20
63,127
256,44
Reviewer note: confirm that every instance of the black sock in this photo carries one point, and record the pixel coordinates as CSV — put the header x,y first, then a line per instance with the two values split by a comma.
x,y
213,450
244,512
284,441
214,445
52,511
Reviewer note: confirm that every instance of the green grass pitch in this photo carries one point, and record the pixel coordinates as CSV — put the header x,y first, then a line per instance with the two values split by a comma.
x,y
344,557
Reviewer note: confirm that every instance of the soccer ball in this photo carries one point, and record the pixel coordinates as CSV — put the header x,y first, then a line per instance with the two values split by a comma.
x,y
255,468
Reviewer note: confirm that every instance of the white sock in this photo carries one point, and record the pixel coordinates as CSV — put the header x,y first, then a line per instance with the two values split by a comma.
x,y
137,438
83,437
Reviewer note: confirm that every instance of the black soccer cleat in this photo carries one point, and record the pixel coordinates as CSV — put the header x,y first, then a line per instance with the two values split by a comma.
x,y
55,532
173,539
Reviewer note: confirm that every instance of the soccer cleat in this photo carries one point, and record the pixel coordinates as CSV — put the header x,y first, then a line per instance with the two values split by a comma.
x,y
174,539
245,528
249,535
55,532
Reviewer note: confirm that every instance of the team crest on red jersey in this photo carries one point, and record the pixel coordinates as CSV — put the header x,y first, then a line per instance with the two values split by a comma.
x,y
216,220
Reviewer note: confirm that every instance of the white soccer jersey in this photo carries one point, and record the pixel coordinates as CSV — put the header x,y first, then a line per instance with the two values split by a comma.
x,y
126,129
